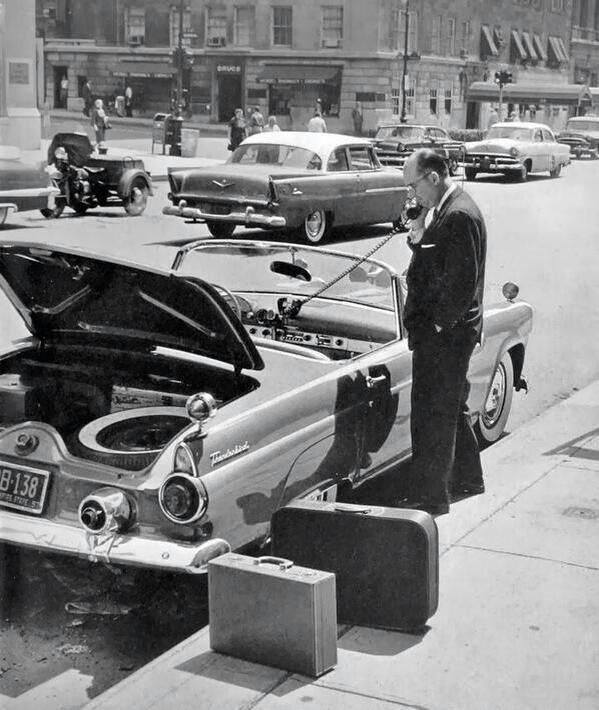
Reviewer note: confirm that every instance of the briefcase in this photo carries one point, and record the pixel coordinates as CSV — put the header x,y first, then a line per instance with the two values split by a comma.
x,y
386,560
270,611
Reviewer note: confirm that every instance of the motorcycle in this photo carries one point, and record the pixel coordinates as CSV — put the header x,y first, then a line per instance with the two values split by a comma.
x,y
87,180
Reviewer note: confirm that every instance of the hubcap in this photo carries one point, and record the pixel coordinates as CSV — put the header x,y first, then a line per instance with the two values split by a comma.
x,y
314,225
496,398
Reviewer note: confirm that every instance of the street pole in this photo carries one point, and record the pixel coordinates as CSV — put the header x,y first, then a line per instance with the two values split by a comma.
x,y
404,73
180,60
500,111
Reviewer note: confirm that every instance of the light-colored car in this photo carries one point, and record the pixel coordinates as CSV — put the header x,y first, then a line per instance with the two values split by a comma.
x,y
23,186
158,418
517,149
582,136
303,183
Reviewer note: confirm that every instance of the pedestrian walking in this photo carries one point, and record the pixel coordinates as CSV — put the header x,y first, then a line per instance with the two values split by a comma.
x,y
88,97
357,118
99,121
237,129
64,91
256,123
317,124
129,102
443,315
272,124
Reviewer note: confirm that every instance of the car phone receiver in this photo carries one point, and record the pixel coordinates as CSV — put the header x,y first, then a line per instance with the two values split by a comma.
x,y
414,211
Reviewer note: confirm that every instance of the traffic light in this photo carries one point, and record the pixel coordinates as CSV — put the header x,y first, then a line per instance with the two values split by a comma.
x,y
182,57
503,77
507,77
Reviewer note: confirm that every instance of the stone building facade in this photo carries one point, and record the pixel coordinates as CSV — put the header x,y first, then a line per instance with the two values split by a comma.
x,y
289,56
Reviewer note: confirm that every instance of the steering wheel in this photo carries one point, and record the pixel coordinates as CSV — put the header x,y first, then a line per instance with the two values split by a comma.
x,y
232,300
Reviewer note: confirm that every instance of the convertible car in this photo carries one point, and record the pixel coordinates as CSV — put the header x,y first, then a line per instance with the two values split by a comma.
x,y
23,186
516,149
303,183
158,418
394,143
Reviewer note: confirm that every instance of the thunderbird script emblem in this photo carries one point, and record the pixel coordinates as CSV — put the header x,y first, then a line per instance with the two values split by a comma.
x,y
222,184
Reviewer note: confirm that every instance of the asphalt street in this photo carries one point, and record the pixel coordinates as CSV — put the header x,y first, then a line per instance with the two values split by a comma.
x,y
542,235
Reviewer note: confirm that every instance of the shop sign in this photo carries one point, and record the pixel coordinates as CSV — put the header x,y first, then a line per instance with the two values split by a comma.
x,y
228,69
18,72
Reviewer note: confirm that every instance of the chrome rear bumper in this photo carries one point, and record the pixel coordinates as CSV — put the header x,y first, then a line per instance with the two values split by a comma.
x,y
249,217
119,549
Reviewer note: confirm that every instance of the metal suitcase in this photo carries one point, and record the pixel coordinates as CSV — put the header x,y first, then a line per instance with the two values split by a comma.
x,y
268,610
386,560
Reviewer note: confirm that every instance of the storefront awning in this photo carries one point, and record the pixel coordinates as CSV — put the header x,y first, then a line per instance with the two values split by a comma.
x,y
556,53
528,45
569,94
298,73
488,47
145,70
540,47
517,42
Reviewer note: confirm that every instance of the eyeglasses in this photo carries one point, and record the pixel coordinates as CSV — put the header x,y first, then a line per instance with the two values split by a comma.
x,y
412,185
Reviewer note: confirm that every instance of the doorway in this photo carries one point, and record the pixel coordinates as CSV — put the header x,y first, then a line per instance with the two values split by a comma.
x,y
472,114
229,96
60,97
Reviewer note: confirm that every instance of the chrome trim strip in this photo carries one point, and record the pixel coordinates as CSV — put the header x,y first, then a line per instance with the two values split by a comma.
x,y
9,205
248,217
127,549
32,192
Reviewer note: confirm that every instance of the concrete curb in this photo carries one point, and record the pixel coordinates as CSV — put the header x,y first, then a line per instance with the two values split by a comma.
x,y
382,670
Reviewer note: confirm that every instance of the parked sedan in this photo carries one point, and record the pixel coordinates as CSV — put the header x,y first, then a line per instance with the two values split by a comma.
x,y
158,418
517,149
394,143
303,183
23,186
582,136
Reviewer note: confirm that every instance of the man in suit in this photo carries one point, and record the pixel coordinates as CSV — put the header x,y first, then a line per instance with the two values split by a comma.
x,y
443,316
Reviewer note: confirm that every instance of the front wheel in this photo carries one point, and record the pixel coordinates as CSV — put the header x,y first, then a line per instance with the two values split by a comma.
x,y
470,173
3,215
522,176
554,172
137,198
496,410
54,212
221,230
316,227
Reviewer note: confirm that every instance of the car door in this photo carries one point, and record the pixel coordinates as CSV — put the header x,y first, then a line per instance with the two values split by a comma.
x,y
552,149
381,192
539,152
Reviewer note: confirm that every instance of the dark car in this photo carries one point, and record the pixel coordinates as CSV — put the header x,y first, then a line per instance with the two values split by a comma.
x,y
87,179
23,186
158,417
582,135
394,143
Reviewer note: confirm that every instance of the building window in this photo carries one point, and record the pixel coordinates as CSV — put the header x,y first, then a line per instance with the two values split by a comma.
x,y
436,34
216,27
448,96
135,25
412,31
396,99
433,101
332,26
244,26
466,37
450,45
557,5
174,25
281,26
393,28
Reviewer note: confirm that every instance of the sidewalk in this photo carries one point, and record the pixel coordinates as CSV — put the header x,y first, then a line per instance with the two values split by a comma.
x,y
516,627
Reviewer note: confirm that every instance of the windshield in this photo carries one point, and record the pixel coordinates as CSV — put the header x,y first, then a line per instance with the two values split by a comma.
x,y
247,268
516,133
583,125
271,154
385,132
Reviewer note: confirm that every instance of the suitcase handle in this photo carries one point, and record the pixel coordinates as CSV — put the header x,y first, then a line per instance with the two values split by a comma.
x,y
352,508
281,562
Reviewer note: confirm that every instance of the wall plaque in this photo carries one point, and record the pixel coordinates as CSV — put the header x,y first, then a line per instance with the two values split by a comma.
x,y
18,72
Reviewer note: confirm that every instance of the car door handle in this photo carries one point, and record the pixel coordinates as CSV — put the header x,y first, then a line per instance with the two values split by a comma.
x,y
372,382
296,191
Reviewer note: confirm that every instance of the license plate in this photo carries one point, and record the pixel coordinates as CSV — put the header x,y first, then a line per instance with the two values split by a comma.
x,y
23,488
216,208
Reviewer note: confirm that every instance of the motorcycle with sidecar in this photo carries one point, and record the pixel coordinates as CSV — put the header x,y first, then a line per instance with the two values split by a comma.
x,y
87,179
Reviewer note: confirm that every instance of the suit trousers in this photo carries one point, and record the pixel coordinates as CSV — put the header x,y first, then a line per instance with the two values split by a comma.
x,y
444,445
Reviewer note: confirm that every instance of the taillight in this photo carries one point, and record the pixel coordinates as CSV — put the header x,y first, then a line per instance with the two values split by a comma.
x,y
106,510
183,498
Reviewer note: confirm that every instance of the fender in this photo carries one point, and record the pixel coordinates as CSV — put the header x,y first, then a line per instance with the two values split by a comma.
x,y
127,178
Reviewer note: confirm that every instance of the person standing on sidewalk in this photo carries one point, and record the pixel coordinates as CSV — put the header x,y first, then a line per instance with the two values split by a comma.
x,y
357,118
237,129
88,98
64,91
256,121
317,124
129,102
272,125
443,315
99,121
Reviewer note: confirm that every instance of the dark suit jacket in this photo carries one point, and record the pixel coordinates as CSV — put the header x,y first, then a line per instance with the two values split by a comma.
x,y
447,271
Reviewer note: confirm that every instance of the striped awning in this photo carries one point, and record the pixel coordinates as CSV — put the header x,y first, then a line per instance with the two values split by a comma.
x,y
488,46
540,47
557,53
567,94
517,43
528,45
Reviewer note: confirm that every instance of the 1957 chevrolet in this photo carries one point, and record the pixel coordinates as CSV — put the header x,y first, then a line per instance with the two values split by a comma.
x,y
158,418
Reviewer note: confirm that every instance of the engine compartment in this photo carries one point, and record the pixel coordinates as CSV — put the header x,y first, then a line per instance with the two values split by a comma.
x,y
118,408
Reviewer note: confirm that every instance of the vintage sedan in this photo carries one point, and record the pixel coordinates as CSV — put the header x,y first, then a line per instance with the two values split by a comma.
x,y
158,417
582,136
303,183
23,186
516,149
394,143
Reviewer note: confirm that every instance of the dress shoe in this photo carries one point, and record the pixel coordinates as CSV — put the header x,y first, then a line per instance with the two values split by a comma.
x,y
463,490
428,506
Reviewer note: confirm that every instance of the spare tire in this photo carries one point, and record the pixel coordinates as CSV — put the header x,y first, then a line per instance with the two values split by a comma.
x,y
130,439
